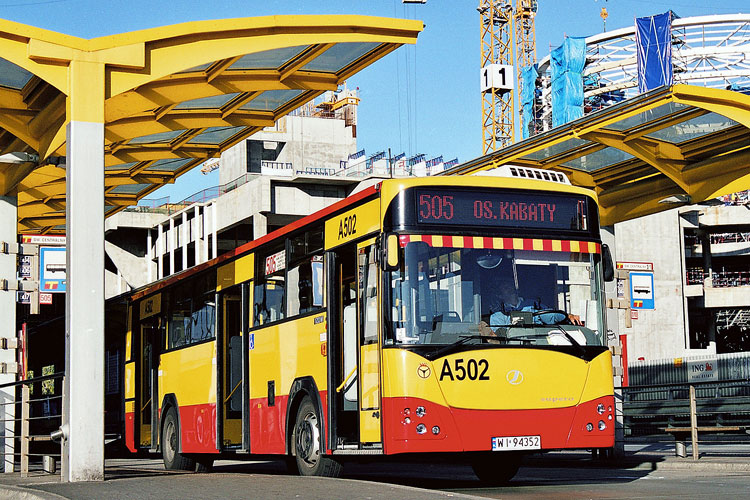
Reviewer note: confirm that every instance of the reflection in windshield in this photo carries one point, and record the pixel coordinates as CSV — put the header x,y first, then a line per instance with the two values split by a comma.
x,y
441,294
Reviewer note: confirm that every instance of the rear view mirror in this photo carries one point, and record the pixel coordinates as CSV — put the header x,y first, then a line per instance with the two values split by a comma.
x,y
608,265
391,251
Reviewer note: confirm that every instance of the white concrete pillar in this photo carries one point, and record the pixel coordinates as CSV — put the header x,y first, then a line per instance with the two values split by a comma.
x,y
214,242
149,256
171,241
260,225
185,239
160,246
613,338
83,404
8,263
197,234
205,226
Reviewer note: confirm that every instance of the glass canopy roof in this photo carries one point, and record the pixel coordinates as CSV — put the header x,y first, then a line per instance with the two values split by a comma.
x,y
680,140
162,119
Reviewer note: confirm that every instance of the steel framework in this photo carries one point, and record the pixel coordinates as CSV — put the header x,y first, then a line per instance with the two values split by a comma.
x,y
496,28
708,51
525,42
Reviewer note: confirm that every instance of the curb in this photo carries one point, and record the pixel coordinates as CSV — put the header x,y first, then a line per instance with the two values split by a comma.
x,y
16,493
647,463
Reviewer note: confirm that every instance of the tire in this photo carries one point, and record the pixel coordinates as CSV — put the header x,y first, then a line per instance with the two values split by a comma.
x,y
306,440
497,468
170,439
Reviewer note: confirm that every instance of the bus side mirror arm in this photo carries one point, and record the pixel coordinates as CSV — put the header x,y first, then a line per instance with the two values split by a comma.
x,y
391,252
608,265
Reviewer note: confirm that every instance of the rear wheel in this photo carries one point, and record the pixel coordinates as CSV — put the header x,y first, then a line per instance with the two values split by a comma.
x,y
496,468
170,442
309,458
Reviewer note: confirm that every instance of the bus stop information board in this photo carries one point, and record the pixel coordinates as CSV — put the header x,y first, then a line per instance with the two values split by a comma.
x,y
641,290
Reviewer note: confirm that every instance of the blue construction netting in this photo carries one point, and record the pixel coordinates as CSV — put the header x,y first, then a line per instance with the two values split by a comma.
x,y
568,61
528,88
653,40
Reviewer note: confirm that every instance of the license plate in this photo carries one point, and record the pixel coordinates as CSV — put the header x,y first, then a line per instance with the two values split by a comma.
x,y
515,443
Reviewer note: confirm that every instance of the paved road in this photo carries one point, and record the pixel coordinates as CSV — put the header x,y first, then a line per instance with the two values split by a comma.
x,y
650,472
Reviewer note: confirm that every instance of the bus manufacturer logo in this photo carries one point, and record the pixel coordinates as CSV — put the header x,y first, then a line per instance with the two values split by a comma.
x,y
514,377
423,370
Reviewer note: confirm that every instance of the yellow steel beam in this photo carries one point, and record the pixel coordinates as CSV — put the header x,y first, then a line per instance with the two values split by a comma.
x,y
307,55
144,124
663,156
11,174
189,86
733,105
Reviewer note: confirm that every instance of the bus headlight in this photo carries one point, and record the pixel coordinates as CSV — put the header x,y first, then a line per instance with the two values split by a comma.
x,y
435,430
420,411
421,428
600,408
589,427
602,425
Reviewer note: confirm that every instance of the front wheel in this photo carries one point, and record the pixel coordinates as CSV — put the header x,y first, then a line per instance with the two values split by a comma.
x,y
170,438
496,468
309,458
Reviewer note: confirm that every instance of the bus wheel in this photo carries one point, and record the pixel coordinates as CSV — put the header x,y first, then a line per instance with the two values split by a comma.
x,y
496,468
306,441
170,432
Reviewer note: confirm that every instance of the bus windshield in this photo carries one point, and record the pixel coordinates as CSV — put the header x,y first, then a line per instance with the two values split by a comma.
x,y
444,294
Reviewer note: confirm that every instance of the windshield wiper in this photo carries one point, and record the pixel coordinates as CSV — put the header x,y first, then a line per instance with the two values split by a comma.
x,y
462,340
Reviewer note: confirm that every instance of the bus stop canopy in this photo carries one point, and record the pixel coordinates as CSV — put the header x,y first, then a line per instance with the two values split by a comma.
x,y
174,96
674,145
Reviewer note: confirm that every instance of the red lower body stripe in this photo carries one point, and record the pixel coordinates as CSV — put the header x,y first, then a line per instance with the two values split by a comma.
x,y
455,429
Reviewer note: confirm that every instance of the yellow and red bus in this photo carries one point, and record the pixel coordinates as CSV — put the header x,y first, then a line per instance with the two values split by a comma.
x,y
460,317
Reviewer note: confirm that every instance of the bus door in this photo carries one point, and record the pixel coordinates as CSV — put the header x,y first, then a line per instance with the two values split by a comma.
x,y
148,390
353,345
369,347
342,350
231,341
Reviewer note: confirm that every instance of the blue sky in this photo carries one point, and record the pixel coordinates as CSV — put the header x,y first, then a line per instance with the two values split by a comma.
x,y
422,99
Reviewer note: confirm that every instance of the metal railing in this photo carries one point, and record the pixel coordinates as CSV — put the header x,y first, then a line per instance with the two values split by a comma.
x,y
33,448
648,409
719,279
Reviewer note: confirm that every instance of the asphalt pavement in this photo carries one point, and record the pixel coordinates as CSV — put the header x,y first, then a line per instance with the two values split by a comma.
x,y
560,473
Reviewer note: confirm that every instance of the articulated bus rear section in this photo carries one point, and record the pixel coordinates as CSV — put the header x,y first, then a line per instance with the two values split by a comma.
x,y
460,319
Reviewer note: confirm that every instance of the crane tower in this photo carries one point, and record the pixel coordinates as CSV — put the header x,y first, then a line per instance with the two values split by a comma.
x,y
525,41
507,37
497,79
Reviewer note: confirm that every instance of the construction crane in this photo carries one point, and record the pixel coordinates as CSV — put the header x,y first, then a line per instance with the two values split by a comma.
x,y
525,43
502,46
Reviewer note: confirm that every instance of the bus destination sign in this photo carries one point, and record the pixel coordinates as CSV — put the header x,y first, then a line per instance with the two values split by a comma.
x,y
501,209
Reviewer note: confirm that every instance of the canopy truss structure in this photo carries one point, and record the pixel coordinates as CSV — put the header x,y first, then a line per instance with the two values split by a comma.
x,y
174,96
682,144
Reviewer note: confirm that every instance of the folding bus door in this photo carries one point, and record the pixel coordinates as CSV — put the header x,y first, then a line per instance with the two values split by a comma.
x,y
147,403
369,346
233,325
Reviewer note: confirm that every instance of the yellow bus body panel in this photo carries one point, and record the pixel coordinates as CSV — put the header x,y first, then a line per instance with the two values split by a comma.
x,y
352,224
369,424
190,374
286,351
129,380
517,378
237,271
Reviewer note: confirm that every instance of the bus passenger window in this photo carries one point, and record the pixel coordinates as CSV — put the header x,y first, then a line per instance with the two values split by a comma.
x,y
269,291
305,286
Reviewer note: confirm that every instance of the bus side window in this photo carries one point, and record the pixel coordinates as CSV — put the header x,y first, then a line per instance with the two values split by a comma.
x,y
270,288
